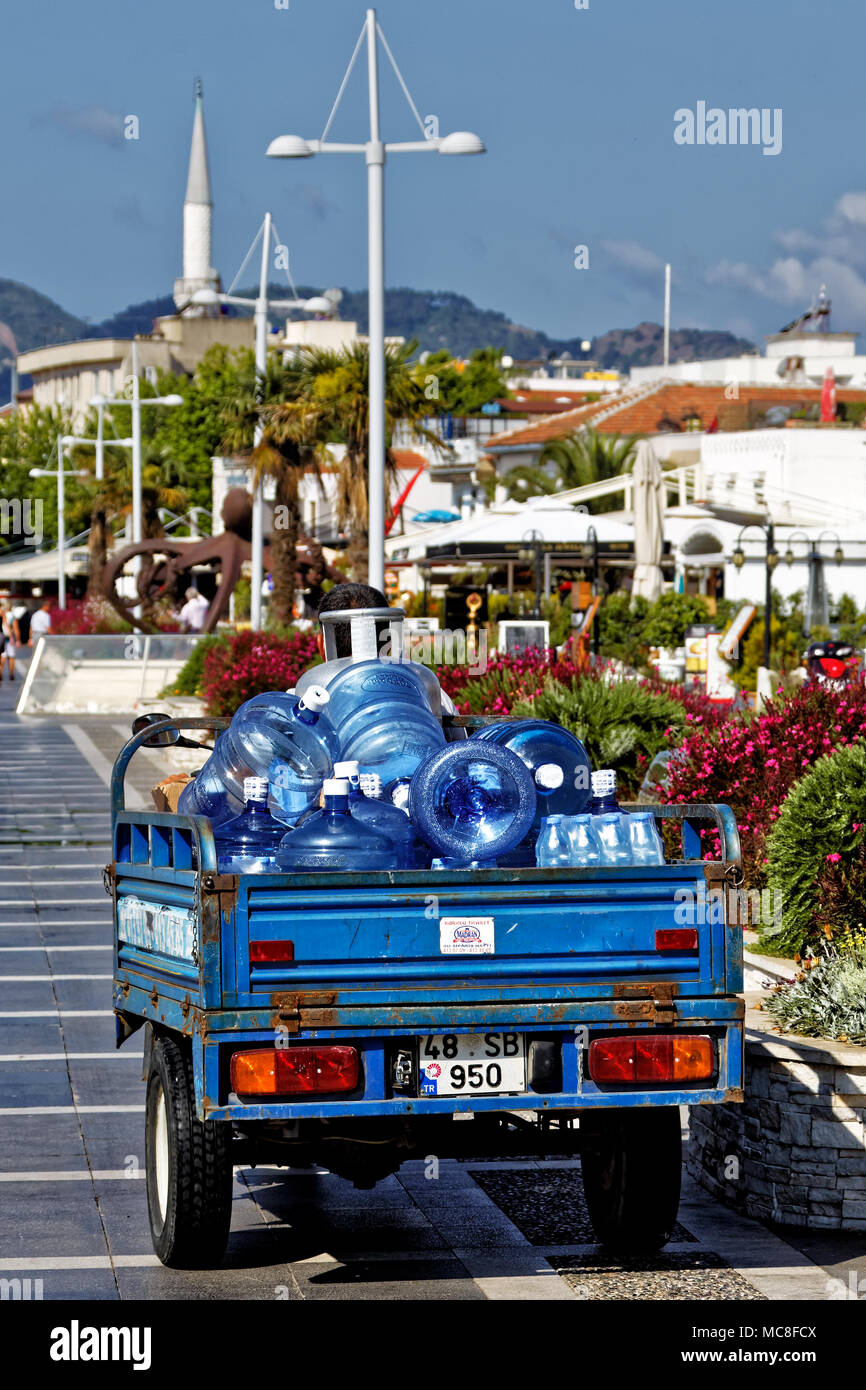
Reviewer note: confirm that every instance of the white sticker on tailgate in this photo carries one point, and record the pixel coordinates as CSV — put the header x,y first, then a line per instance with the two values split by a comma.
x,y
466,936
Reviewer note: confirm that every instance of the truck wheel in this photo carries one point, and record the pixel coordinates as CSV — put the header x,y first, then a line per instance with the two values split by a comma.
x,y
631,1162
188,1165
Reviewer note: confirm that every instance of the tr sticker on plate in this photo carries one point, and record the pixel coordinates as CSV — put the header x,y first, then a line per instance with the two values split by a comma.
x,y
466,936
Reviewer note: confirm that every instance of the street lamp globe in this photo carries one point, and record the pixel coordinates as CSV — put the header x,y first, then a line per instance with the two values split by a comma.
x,y
739,557
461,142
289,147
772,559
205,298
171,400
317,305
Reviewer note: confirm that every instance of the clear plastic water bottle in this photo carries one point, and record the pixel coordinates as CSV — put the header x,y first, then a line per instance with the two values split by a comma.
x,y
612,830
288,740
333,840
583,841
646,842
472,801
383,718
552,850
559,765
248,843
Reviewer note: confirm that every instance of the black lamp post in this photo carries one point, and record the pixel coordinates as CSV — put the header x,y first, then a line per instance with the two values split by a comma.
x,y
772,560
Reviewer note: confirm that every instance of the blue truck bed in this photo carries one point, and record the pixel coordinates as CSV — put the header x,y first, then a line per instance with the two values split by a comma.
x,y
571,956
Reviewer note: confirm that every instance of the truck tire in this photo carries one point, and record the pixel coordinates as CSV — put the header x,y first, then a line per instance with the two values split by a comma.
x,y
631,1161
188,1165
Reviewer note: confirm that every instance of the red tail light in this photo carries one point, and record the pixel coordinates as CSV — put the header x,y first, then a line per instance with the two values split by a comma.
x,y
290,1071
271,952
651,1058
677,939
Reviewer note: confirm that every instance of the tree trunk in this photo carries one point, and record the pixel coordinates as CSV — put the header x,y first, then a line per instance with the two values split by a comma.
x,y
284,547
97,548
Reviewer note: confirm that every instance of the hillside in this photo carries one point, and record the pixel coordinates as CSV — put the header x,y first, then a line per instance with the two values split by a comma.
x,y
436,318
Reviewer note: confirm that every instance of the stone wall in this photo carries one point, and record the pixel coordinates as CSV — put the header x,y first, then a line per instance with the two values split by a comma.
x,y
795,1151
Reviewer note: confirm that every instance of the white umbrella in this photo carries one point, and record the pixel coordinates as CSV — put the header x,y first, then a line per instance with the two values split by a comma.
x,y
649,516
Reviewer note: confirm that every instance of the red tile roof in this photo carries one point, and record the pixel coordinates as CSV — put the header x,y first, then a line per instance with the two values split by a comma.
x,y
662,409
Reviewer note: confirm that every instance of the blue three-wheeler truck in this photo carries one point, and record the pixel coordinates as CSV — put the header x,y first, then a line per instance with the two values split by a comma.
x,y
357,1020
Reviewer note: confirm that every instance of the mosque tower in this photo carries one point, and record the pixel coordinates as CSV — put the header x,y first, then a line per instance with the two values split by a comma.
x,y
198,272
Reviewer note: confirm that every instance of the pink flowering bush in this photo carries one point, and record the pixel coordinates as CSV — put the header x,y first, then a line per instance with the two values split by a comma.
x,y
249,663
751,762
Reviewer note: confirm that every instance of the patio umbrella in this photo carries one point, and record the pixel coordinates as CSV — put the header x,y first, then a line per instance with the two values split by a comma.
x,y
649,516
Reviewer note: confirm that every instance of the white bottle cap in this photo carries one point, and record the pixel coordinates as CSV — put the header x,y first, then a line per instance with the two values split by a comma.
x,y
603,782
346,769
314,698
255,789
335,786
371,785
400,797
549,776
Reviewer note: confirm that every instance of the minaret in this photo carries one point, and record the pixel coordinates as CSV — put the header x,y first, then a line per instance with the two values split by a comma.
x,y
198,273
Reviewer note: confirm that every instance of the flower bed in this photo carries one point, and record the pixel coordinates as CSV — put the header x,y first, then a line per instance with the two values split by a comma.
x,y
750,762
249,663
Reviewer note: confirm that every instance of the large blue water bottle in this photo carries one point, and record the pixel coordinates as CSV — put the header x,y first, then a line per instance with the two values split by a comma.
x,y
383,718
248,843
288,740
472,801
559,765
333,841
368,807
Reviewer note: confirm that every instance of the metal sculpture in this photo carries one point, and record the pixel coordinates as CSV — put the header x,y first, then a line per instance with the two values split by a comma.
x,y
165,561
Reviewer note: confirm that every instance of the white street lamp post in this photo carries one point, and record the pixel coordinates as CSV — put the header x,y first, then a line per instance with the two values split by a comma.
x,y
261,306
61,476
135,402
374,152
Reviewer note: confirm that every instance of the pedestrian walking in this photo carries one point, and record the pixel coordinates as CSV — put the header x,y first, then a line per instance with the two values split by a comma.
x,y
7,642
194,611
40,623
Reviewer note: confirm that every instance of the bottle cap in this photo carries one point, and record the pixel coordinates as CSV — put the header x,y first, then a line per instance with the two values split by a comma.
x,y
371,785
604,782
255,789
346,769
315,697
363,635
335,786
549,776
552,820
400,797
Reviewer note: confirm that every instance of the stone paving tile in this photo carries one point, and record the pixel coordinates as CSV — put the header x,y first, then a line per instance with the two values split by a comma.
x,y
667,1277
547,1206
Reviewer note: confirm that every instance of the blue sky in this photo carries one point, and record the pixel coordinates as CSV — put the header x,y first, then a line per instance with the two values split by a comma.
x,y
576,108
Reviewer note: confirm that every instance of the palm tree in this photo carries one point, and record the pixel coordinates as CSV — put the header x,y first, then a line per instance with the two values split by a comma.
x,y
587,456
291,442
336,386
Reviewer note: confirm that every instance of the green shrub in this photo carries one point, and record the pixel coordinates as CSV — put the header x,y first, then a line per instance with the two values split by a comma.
x,y
188,680
622,723
669,617
621,627
817,852
828,997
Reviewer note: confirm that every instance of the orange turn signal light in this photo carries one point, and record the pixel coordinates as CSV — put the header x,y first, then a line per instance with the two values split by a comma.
x,y
651,1058
291,1071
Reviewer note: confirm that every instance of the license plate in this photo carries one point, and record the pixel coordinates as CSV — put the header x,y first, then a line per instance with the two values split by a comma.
x,y
472,1064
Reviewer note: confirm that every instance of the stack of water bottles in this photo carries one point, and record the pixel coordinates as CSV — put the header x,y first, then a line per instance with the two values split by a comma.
x,y
606,837
352,771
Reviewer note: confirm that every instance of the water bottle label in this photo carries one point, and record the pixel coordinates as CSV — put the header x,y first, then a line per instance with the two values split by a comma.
x,y
389,680
320,861
466,936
